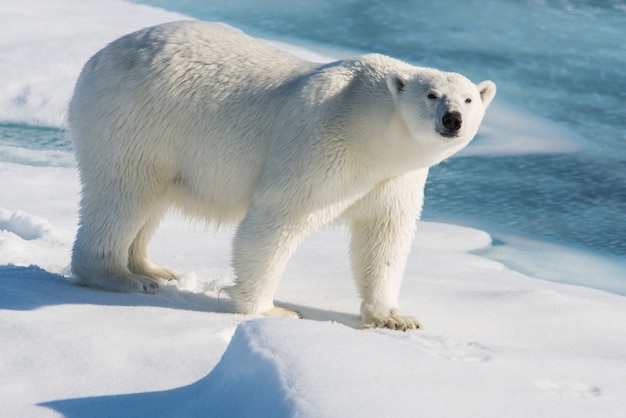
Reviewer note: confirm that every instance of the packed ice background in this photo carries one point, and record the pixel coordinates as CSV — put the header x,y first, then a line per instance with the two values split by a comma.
x,y
545,178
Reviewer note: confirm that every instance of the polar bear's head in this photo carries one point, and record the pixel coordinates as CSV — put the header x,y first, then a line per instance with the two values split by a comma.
x,y
441,110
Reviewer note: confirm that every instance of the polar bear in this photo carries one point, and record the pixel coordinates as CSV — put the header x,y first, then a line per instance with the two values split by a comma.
x,y
227,128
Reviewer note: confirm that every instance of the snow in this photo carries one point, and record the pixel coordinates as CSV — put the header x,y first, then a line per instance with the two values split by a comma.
x,y
55,38
496,342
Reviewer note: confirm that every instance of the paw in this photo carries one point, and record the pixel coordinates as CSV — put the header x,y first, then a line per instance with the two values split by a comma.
x,y
132,283
251,305
391,318
118,282
146,284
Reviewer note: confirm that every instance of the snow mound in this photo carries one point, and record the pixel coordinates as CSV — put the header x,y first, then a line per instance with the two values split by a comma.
x,y
282,367
25,226
27,239
300,368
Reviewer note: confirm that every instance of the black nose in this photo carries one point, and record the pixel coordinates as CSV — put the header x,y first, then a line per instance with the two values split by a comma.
x,y
452,121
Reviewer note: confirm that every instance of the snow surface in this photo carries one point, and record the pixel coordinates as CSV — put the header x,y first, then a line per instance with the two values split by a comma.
x,y
496,343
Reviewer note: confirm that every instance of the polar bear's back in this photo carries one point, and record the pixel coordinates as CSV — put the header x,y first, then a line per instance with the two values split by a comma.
x,y
176,52
185,102
187,70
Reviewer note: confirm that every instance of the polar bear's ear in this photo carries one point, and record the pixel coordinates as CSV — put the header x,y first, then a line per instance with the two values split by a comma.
x,y
487,91
396,83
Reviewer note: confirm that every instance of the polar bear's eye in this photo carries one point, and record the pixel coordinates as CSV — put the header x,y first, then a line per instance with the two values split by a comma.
x,y
468,100
432,96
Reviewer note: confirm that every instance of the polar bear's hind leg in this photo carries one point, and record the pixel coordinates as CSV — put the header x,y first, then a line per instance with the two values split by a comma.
x,y
138,261
115,228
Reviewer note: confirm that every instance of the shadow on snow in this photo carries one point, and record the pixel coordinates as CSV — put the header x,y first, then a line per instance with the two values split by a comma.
x,y
208,397
28,288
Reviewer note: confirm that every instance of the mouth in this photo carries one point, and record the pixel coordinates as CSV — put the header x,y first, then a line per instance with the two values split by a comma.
x,y
449,134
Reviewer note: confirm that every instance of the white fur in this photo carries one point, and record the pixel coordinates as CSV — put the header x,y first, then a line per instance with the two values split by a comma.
x,y
230,129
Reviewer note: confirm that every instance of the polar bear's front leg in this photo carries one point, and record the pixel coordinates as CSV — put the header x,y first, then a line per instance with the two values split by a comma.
x,y
379,251
264,242
383,226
